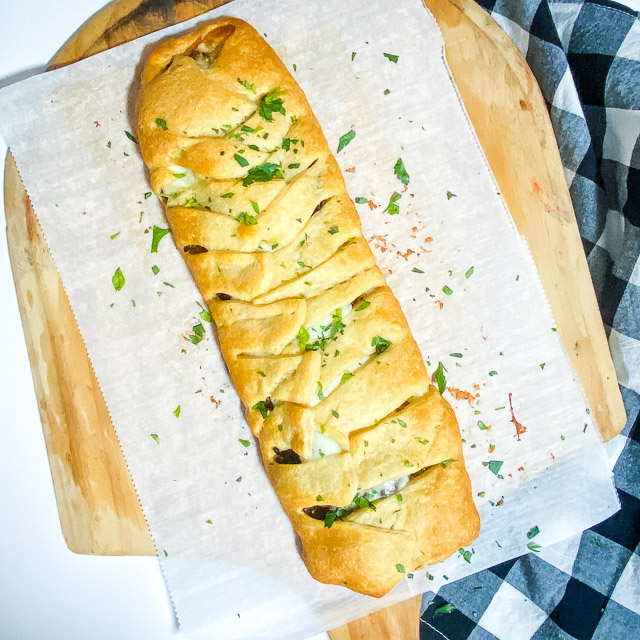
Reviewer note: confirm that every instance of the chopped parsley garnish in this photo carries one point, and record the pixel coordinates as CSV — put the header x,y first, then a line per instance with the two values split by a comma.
x,y
345,376
272,103
361,200
542,365
176,411
451,195
469,272
494,466
421,440
445,608
241,160
293,165
156,437
244,443
155,269
456,355
246,218
118,280
229,194
131,136
381,344
493,373
353,55
191,203
109,144
387,92
393,208
466,554
249,86
261,373
482,426
345,140
209,521
363,305
400,568
439,376
303,338
444,463
416,270
320,392
262,173
255,206
114,236
162,123
204,314
280,427
534,546
391,56
533,532
447,290
287,142
158,234
401,172
335,413
333,230
147,195
402,423
262,408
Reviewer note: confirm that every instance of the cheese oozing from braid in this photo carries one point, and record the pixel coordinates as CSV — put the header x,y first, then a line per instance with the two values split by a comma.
x,y
364,453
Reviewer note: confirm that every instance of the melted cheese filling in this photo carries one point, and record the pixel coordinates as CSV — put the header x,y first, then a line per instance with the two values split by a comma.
x,y
183,179
323,445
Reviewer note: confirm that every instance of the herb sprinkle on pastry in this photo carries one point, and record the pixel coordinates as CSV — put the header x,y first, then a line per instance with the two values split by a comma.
x,y
364,453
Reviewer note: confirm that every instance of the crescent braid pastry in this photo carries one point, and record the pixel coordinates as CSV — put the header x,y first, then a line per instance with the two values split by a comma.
x,y
363,452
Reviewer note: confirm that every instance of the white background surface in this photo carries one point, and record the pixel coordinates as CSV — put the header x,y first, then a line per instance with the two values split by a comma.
x,y
47,592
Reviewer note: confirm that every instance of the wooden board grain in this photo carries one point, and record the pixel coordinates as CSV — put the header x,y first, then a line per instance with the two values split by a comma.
x,y
99,510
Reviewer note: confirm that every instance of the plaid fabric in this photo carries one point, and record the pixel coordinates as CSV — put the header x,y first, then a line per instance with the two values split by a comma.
x,y
586,58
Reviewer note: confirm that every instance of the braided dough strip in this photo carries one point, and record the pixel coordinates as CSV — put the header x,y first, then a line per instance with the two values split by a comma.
x,y
363,452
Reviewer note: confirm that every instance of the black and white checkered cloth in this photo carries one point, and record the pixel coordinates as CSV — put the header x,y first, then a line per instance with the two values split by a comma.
x,y
586,58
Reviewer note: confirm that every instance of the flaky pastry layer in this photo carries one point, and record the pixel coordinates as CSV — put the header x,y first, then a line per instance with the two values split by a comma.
x,y
363,452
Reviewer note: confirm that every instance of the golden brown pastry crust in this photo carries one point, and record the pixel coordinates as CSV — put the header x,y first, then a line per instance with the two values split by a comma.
x,y
287,254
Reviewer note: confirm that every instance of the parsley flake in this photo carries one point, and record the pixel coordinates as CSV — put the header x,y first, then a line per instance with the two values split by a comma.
x,y
466,554
363,305
246,218
534,546
156,437
444,463
447,290
249,86
451,195
345,140
400,568
392,57
533,532
440,377
162,123
158,234
241,160
244,443
262,408
400,172
416,270
118,280
335,413
345,376
131,136
272,103
482,426
176,411
155,269
333,230
381,344
402,423
393,208
262,173
361,200
469,272
494,466
445,608
147,195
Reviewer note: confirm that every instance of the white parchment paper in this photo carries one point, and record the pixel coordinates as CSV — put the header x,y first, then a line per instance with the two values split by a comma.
x,y
226,547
